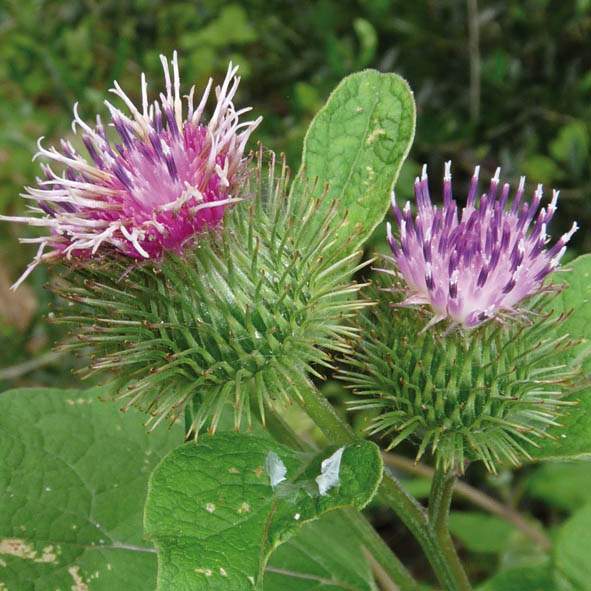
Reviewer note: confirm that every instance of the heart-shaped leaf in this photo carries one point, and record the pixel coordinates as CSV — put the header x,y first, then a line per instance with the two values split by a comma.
x,y
217,510
73,479
357,144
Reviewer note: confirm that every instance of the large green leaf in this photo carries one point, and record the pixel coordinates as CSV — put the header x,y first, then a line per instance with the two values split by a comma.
x,y
324,556
480,532
215,518
573,550
573,439
73,479
357,143
538,578
561,484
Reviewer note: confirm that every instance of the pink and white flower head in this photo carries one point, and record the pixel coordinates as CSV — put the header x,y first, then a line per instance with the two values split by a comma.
x,y
167,177
481,265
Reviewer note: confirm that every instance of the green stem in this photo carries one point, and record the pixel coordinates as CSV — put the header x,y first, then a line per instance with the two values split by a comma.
x,y
368,536
473,495
442,488
380,551
444,560
440,497
283,433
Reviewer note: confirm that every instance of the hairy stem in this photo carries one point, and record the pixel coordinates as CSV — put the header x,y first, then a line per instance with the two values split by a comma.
x,y
444,560
477,497
446,566
392,572
442,488
383,581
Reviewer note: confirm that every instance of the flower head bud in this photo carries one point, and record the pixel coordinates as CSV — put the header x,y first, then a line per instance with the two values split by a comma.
x,y
166,177
486,394
242,318
488,390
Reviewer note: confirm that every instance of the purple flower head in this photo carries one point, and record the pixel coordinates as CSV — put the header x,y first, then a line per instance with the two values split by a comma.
x,y
165,177
470,269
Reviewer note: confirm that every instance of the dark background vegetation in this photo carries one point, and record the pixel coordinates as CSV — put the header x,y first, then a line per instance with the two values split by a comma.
x,y
500,83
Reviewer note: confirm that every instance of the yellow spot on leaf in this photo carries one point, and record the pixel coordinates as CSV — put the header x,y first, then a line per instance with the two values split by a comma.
x,y
258,471
48,555
374,134
244,508
79,401
21,549
233,471
223,572
210,507
79,584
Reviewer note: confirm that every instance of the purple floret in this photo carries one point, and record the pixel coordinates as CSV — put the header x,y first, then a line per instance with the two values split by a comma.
x,y
481,265
164,181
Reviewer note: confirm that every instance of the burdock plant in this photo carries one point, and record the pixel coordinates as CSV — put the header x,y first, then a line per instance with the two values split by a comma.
x,y
209,289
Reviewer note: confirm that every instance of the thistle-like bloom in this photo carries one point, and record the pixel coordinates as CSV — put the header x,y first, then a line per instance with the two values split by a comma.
x,y
166,178
481,265
241,320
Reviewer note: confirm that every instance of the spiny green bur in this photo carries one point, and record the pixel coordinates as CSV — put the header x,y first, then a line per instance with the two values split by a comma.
x,y
484,394
249,311
572,438
240,318
215,518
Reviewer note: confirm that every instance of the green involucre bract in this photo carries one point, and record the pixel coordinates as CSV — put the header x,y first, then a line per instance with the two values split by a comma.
x,y
479,394
242,317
